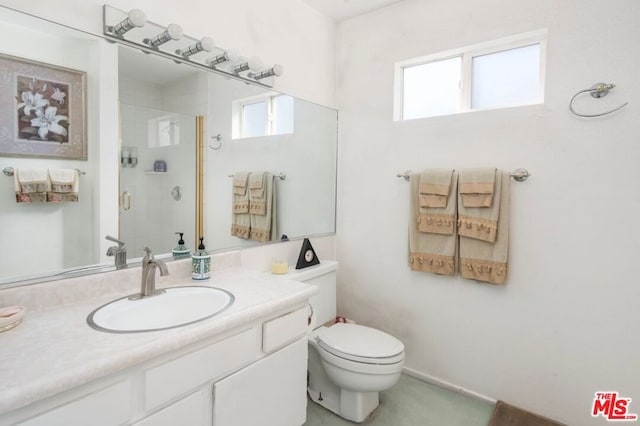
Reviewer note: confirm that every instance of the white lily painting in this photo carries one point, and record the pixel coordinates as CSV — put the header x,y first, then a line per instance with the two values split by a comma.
x,y
42,110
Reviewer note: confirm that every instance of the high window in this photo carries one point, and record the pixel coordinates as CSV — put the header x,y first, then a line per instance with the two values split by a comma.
x,y
501,73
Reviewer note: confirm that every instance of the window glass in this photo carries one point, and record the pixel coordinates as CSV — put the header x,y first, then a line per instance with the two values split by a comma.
x,y
283,115
510,77
432,89
254,119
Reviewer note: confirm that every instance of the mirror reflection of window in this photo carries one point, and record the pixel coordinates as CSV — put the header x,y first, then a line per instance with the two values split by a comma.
x,y
265,115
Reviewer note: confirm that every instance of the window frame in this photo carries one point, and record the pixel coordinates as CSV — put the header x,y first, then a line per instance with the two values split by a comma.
x,y
237,107
467,54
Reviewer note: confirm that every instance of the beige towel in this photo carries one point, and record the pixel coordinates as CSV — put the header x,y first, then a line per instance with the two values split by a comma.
x,y
65,184
31,184
437,220
257,199
435,187
263,209
429,252
240,218
477,187
480,222
486,261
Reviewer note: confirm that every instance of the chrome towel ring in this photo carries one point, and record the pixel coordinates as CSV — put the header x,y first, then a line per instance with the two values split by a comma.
x,y
598,90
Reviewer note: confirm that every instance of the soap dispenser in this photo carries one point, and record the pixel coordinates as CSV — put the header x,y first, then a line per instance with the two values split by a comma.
x,y
201,263
181,250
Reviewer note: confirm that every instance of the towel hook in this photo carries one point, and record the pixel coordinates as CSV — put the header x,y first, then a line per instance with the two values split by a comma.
x,y
217,137
598,90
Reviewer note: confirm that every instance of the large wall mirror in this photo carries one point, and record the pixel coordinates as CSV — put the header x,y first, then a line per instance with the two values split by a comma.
x,y
138,181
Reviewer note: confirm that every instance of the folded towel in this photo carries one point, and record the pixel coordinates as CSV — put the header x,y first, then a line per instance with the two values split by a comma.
x,y
429,252
31,185
483,260
480,223
65,185
263,209
240,218
256,184
240,182
434,187
437,220
477,186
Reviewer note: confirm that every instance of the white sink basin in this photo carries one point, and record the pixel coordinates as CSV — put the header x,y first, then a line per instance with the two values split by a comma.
x,y
176,307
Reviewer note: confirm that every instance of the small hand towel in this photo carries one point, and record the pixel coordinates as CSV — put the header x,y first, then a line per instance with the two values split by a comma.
x,y
257,184
435,186
31,185
65,184
480,222
264,226
477,186
240,183
429,252
436,220
485,261
240,218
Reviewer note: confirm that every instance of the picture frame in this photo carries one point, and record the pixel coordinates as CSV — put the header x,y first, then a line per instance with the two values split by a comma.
x,y
42,110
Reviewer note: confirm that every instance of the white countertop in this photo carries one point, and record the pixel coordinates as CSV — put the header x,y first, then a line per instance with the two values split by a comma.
x,y
55,350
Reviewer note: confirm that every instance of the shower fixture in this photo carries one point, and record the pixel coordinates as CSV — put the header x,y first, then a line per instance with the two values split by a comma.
x,y
205,44
253,64
230,55
173,32
169,42
275,70
135,18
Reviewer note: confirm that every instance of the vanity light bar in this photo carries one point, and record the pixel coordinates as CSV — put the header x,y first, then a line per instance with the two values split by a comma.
x,y
230,55
206,44
136,18
173,32
149,37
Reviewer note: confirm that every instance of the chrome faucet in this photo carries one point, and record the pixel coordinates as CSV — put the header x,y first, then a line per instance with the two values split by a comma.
x,y
119,252
148,282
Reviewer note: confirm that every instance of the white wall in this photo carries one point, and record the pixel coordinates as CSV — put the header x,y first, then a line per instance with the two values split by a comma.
x,y
288,32
566,324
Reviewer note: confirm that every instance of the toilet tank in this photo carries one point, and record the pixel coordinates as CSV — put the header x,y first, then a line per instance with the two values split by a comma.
x,y
324,277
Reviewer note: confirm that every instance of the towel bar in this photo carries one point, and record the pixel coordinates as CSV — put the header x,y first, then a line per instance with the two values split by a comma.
x,y
519,175
282,175
8,171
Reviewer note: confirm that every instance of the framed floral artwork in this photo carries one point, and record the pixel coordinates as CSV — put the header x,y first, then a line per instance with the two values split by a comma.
x,y
42,110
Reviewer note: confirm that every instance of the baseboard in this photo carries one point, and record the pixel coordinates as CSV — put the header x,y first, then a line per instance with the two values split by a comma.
x,y
446,385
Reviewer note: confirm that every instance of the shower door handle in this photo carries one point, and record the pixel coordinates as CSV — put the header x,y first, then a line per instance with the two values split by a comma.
x,y
126,200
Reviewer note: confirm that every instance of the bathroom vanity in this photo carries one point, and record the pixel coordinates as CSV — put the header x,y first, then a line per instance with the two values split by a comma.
x,y
246,366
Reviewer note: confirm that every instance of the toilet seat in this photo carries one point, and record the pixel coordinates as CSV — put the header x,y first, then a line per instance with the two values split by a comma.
x,y
361,344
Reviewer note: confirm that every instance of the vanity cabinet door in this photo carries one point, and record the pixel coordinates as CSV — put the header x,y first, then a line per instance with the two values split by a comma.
x,y
270,392
194,410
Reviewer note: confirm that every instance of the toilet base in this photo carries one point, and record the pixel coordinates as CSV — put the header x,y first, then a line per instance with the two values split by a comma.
x,y
354,406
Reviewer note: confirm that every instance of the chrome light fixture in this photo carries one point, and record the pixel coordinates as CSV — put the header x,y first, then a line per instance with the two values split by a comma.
x,y
205,44
254,64
230,55
135,18
277,70
173,32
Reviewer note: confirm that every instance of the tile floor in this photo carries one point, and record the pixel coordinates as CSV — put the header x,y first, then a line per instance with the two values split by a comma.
x,y
413,402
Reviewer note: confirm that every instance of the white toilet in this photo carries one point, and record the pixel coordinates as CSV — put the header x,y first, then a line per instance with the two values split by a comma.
x,y
348,363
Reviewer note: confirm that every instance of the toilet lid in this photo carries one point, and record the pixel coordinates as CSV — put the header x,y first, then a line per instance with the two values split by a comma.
x,y
358,342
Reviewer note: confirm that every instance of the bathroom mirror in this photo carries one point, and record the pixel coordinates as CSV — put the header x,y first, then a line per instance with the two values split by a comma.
x,y
150,121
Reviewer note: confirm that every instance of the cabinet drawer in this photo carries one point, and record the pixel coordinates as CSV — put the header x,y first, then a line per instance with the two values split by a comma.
x,y
194,410
282,330
178,377
109,407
